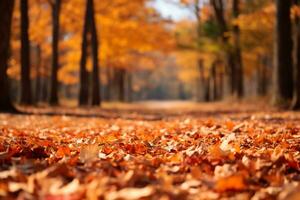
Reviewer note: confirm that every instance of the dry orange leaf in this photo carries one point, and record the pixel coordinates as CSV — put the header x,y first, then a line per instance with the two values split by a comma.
x,y
176,158
62,152
235,182
215,152
229,125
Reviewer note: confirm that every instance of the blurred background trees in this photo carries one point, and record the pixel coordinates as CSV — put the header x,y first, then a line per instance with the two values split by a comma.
x,y
86,52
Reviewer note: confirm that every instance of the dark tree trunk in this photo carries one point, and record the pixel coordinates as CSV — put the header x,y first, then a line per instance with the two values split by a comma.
x,y
111,82
283,73
239,71
129,86
207,90
218,7
108,83
200,87
117,84
25,55
197,12
38,81
84,87
214,81
44,87
56,7
201,80
259,74
296,98
262,75
96,97
264,81
231,71
89,28
6,12
221,85
115,89
121,80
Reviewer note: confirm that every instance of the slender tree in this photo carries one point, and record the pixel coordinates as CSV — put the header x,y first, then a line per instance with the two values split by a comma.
x,y
197,9
96,97
218,7
283,72
213,74
121,80
239,71
25,55
38,81
6,12
111,83
262,78
44,82
201,80
128,86
207,87
296,97
89,29
56,7
84,87
221,82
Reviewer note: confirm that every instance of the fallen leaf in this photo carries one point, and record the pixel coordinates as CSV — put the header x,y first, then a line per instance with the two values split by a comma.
x,y
131,193
235,183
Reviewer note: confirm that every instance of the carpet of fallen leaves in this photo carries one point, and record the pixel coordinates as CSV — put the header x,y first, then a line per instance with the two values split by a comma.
x,y
244,155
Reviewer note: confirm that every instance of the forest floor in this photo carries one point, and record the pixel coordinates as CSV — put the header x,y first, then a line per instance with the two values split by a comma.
x,y
170,150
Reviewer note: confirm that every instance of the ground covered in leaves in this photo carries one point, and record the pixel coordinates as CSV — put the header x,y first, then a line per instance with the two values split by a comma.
x,y
246,154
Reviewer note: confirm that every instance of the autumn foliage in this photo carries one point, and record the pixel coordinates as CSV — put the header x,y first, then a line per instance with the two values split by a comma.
x,y
246,155
123,27
116,51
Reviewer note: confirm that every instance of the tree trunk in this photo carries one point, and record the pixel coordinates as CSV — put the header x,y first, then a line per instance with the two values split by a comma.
x,y
214,81
262,75
259,75
89,28
121,81
44,95
108,83
96,97
25,55
197,12
38,75
129,86
53,100
218,8
239,71
231,72
265,64
283,73
221,84
207,90
201,80
6,12
84,87
111,81
296,97
115,89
